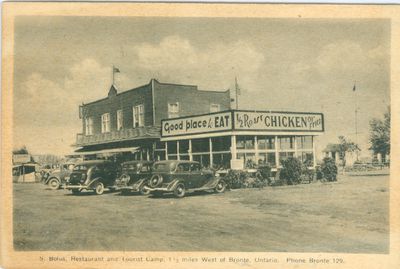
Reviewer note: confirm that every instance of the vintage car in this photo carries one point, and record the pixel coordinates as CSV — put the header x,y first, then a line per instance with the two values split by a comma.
x,y
93,175
134,177
181,177
58,176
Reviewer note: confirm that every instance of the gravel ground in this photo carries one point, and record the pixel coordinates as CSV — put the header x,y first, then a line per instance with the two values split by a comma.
x,y
349,216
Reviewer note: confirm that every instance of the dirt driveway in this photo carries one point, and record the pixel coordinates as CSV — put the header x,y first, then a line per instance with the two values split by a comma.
x,y
350,216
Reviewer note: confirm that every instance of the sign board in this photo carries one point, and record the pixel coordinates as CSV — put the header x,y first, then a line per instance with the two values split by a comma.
x,y
21,158
278,121
237,164
214,122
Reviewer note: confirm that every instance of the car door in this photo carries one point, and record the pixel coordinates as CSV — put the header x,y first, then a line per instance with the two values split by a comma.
x,y
183,173
110,173
196,175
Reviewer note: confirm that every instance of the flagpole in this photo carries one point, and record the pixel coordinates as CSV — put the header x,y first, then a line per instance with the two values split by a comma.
x,y
113,68
355,116
236,91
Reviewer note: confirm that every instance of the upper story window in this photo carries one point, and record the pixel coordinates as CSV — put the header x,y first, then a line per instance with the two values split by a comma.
x,y
215,108
138,116
120,119
88,126
173,110
105,123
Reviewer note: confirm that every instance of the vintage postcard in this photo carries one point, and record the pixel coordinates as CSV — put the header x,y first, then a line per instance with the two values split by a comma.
x,y
171,135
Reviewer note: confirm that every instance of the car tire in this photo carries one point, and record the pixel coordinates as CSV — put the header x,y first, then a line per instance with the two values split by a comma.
x,y
180,190
99,188
75,191
53,183
144,191
221,186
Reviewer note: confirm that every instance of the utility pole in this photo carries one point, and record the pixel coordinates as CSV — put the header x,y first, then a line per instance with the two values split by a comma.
x,y
237,92
355,115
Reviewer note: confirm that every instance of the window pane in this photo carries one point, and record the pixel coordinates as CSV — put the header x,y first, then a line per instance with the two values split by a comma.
x,y
171,145
200,145
266,142
285,155
221,143
267,158
304,142
183,146
286,142
245,142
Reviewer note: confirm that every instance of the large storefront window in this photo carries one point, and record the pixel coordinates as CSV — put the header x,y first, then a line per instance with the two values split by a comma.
x,y
286,142
172,147
266,142
203,159
200,145
245,142
221,143
267,158
304,142
285,155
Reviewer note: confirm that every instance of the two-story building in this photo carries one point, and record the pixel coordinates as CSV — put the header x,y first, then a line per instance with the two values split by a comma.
x,y
160,121
129,122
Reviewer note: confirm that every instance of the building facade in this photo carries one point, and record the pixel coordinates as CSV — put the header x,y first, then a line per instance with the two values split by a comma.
x,y
240,138
130,122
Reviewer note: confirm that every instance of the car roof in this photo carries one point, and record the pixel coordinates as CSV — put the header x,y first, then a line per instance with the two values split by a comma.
x,y
177,162
136,161
93,162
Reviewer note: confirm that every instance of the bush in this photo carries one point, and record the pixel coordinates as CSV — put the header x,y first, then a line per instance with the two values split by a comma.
x,y
329,169
240,179
291,172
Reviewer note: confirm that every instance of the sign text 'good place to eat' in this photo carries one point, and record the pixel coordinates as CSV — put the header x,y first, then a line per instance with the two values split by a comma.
x,y
198,124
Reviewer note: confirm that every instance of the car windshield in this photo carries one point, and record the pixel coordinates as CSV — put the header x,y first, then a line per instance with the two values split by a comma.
x,y
80,168
164,167
130,166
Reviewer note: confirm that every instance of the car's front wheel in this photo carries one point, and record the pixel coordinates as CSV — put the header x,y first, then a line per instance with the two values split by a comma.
x,y
99,188
54,183
180,191
143,190
221,186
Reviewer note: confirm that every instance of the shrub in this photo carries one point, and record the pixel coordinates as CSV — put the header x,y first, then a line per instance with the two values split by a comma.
x,y
236,179
329,169
264,173
291,170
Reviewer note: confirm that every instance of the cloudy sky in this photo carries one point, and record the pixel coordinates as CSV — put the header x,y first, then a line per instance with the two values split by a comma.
x,y
281,64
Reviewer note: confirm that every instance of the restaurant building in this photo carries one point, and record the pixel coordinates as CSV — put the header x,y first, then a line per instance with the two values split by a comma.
x,y
235,138
162,121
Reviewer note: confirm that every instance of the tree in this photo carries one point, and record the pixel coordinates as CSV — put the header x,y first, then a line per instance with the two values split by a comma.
x,y
346,146
22,150
380,134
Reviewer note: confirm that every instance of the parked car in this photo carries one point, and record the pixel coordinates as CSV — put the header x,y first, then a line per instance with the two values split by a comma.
x,y
134,177
181,177
58,176
92,175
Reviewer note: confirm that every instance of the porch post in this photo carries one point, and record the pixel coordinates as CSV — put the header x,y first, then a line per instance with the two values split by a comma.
x,y
256,148
190,150
211,155
166,150
177,150
295,147
233,147
277,147
313,149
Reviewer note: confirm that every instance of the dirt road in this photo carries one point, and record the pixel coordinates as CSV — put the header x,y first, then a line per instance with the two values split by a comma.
x,y
350,216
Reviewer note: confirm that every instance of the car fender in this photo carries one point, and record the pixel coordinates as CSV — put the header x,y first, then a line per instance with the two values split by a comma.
x,y
214,181
92,182
173,184
50,177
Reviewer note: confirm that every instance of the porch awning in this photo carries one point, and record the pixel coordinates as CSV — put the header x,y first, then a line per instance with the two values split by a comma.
x,y
106,151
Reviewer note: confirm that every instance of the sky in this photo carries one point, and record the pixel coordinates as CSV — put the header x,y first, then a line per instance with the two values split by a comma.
x,y
299,64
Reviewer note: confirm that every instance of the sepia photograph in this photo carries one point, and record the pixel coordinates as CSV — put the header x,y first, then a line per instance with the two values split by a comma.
x,y
140,129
